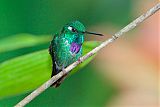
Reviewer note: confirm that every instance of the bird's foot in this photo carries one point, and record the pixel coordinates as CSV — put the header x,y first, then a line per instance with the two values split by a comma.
x,y
57,67
63,70
79,60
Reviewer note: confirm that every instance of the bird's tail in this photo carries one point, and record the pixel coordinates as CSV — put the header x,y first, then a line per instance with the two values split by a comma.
x,y
59,81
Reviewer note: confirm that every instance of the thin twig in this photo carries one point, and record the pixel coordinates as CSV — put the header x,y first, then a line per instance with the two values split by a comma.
x,y
95,50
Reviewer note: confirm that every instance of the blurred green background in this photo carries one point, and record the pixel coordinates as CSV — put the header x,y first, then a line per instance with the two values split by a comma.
x,y
86,88
48,16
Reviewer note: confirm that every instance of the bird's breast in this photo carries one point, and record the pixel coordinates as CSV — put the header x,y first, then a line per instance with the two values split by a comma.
x,y
75,47
66,52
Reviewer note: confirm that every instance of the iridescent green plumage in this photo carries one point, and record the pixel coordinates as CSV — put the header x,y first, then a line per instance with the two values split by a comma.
x,y
66,47
60,48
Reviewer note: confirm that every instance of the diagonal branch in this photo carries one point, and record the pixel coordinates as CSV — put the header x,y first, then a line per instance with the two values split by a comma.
x,y
95,50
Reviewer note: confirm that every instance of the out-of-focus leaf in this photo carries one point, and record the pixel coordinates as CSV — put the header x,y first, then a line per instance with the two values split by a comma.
x,y
22,41
88,88
27,72
22,51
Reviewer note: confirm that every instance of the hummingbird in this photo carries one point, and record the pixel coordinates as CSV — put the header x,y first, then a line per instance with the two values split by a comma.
x,y
66,47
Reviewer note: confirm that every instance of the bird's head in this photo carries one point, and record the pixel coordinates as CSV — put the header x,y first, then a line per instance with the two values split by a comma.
x,y
74,32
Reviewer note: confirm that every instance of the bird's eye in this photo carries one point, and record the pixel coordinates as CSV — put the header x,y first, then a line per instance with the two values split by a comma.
x,y
72,29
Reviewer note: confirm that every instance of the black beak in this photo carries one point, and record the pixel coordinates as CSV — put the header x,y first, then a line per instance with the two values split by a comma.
x,y
93,33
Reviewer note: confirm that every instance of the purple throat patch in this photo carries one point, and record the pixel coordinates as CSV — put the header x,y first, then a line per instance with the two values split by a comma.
x,y
75,48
